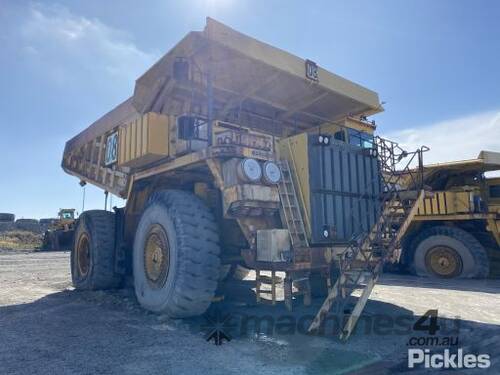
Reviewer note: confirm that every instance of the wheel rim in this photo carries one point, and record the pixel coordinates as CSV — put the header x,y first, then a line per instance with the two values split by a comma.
x,y
443,261
83,255
156,256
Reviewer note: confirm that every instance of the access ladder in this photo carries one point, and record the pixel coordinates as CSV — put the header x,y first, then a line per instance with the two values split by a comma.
x,y
361,264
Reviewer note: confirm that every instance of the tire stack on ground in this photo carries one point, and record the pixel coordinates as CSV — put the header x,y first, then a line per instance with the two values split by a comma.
x,y
7,222
30,225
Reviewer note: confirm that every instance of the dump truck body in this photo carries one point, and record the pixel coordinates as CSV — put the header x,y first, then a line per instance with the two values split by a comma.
x,y
266,87
274,98
232,151
463,199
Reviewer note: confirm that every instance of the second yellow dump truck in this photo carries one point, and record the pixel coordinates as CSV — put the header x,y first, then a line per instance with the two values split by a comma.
x,y
456,232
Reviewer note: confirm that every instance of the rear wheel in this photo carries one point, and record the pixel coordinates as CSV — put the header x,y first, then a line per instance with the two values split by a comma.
x,y
176,255
92,257
449,252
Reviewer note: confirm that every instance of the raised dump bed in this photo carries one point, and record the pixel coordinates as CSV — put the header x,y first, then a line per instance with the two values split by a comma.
x,y
253,85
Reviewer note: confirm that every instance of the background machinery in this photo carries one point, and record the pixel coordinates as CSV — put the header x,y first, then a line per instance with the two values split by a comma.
x,y
456,232
231,151
60,232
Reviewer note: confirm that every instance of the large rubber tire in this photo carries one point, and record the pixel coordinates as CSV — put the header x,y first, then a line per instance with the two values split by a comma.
x,y
65,239
472,256
48,241
188,285
8,218
94,268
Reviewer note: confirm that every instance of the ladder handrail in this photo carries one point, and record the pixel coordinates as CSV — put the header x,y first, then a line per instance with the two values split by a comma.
x,y
294,223
387,195
395,209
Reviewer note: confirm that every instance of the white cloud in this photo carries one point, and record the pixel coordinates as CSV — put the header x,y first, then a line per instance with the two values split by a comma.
x,y
455,139
67,44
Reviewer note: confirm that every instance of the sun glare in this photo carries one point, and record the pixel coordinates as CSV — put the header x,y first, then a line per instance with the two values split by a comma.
x,y
216,5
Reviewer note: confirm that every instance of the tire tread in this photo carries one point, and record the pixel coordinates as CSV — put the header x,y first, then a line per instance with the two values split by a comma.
x,y
478,252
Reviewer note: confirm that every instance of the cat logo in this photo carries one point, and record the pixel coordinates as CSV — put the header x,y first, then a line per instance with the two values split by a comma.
x,y
312,70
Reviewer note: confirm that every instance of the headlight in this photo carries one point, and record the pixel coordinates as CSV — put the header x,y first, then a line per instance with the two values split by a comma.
x,y
249,170
323,139
271,173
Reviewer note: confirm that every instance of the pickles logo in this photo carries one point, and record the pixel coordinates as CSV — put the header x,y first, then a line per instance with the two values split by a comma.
x,y
447,360
435,359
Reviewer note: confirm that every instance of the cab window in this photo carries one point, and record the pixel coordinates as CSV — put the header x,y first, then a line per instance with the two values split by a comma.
x,y
192,127
360,139
495,191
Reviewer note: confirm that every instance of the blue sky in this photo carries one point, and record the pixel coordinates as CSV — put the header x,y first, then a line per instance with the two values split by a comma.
x,y
63,64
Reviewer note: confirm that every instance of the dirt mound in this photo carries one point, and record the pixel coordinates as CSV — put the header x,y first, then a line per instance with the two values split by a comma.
x,y
20,240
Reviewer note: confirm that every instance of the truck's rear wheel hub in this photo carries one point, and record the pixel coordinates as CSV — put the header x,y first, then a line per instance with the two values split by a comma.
x,y
83,255
444,261
156,256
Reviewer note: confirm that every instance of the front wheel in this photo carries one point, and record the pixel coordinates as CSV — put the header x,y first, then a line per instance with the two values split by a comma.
x,y
176,255
449,252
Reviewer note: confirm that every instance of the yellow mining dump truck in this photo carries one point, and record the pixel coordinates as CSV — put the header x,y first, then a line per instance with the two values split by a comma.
x,y
60,232
231,151
456,232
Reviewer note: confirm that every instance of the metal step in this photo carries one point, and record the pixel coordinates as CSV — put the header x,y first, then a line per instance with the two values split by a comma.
x,y
357,273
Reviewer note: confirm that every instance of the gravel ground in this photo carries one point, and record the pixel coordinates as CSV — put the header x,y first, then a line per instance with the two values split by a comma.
x,y
48,328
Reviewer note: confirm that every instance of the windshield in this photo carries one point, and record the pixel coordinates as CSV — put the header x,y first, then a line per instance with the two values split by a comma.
x,y
360,139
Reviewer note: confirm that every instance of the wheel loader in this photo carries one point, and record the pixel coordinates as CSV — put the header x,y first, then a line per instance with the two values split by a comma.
x,y
234,152
60,232
456,232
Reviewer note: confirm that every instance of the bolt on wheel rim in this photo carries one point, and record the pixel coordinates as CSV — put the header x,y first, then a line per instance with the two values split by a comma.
x,y
156,256
444,261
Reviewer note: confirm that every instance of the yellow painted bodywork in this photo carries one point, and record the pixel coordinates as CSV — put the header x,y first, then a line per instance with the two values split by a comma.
x,y
344,124
447,203
262,195
493,202
295,150
456,203
144,140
